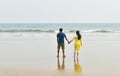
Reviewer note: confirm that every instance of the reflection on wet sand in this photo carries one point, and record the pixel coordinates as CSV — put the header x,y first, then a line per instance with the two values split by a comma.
x,y
61,66
77,66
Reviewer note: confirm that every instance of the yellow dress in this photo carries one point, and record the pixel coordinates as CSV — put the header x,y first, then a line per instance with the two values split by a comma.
x,y
77,43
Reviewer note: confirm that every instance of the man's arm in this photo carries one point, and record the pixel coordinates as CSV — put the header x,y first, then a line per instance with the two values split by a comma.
x,y
66,39
57,39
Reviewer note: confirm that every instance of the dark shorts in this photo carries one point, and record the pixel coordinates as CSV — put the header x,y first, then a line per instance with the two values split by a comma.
x,y
61,45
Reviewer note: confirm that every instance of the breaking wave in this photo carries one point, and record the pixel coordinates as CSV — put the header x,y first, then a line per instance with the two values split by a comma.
x,y
53,31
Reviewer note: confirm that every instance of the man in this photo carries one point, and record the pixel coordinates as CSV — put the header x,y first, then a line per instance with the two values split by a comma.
x,y
60,41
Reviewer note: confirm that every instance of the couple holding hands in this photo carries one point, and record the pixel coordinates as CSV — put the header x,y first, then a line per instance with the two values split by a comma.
x,y
77,42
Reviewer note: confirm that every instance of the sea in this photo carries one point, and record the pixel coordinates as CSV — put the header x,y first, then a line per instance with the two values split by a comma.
x,y
54,27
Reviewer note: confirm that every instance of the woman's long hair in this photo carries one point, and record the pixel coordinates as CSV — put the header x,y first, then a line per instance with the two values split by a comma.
x,y
78,34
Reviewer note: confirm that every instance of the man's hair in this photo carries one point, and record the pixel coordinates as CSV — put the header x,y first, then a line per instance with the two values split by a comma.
x,y
60,29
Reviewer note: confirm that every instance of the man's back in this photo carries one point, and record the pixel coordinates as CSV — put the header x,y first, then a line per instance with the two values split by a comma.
x,y
60,37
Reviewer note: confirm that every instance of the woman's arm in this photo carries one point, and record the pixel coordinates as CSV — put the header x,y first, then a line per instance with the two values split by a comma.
x,y
71,40
81,41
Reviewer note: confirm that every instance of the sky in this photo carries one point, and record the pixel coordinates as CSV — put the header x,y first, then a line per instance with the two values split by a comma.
x,y
59,11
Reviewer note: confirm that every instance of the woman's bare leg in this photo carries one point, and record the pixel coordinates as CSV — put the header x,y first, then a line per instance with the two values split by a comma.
x,y
77,53
74,53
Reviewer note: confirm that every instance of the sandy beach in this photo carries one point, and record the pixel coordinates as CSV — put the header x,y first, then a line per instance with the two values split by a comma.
x,y
34,54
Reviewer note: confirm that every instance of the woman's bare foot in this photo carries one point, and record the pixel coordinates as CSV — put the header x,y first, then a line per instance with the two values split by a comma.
x,y
57,56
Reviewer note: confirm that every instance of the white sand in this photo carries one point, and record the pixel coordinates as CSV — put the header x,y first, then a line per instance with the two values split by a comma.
x,y
34,54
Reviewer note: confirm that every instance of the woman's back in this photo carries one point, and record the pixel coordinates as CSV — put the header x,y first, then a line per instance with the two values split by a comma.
x,y
76,40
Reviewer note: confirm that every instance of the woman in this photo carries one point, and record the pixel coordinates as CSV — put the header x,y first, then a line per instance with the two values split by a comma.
x,y
77,43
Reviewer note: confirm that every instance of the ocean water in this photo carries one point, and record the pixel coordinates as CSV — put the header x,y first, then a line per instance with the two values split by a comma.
x,y
53,27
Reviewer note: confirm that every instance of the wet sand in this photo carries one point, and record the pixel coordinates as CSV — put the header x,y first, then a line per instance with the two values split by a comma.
x,y
34,54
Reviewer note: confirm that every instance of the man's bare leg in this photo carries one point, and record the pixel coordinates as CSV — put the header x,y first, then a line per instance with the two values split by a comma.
x,y
63,52
58,52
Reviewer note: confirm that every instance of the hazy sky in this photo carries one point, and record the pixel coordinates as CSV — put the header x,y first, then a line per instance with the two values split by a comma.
x,y
69,11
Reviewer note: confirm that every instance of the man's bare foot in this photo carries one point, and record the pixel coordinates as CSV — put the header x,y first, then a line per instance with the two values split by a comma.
x,y
63,56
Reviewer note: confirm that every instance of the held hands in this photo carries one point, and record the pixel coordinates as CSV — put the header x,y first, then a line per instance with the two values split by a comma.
x,y
69,42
